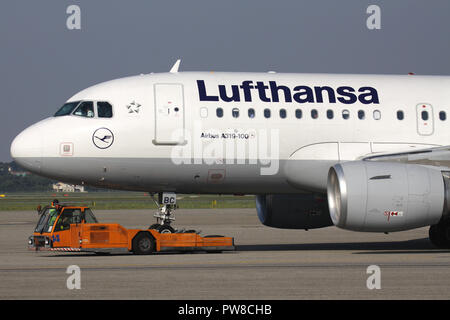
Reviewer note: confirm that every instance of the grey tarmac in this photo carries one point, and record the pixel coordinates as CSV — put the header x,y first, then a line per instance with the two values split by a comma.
x,y
268,263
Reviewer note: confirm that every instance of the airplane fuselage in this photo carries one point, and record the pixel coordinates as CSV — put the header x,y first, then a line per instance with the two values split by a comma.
x,y
255,133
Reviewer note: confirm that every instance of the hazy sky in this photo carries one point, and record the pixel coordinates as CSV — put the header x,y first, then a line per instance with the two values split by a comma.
x,y
43,63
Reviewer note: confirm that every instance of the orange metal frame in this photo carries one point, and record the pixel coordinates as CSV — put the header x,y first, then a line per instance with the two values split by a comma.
x,y
112,235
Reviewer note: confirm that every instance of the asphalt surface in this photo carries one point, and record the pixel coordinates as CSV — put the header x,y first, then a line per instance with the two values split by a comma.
x,y
269,263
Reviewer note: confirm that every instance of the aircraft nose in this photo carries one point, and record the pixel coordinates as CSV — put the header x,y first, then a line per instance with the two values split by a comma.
x,y
26,149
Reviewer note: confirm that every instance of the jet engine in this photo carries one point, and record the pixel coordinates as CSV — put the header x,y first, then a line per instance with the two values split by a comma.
x,y
293,211
383,197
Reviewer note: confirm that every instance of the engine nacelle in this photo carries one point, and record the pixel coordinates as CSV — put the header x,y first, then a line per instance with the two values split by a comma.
x,y
383,197
293,211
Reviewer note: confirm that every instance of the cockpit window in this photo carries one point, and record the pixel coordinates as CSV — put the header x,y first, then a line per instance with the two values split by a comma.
x,y
104,110
67,109
85,109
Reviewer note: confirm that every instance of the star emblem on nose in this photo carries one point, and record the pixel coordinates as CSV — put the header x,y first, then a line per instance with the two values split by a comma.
x,y
133,107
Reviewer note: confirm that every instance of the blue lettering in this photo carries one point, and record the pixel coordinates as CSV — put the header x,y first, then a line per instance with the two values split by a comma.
x,y
303,91
330,92
274,90
369,97
202,92
234,96
347,96
300,94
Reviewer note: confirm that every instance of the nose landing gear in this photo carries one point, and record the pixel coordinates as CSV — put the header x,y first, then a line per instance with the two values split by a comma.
x,y
167,203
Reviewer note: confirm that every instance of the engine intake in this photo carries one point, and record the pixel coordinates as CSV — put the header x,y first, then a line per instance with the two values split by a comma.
x,y
383,197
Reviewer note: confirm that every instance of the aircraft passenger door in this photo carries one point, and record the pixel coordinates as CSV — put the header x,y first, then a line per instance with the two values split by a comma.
x,y
425,121
169,114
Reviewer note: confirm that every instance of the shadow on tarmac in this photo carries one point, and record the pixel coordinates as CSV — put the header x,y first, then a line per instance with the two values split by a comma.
x,y
416,246
422,245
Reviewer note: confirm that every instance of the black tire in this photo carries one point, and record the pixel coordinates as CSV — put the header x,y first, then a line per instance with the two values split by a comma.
x,y
154,226
165,228
440,235
435,237
143,243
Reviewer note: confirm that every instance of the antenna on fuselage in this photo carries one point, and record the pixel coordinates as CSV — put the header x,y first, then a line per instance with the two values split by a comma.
x,y
175,66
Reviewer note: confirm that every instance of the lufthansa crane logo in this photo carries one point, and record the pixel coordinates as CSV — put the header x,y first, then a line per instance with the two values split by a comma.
x,y
103,138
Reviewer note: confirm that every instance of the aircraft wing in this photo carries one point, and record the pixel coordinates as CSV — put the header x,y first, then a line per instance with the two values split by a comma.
x,y
438,157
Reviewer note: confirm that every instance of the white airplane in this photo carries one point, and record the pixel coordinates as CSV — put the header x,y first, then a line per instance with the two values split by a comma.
x,y
362,152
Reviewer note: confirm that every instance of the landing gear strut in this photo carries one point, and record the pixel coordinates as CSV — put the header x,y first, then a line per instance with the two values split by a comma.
x,y
167,203
440,234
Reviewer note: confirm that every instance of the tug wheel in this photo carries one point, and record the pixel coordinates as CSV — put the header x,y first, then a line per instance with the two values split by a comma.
x,y
143,243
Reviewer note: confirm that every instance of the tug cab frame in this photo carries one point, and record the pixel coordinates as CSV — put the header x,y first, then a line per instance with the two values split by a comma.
x,y
70,228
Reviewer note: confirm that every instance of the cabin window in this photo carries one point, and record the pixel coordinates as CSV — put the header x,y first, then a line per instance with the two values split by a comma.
x,y
425,115
400,115
377,114
345,114
442,115
235,112
282,113
266,113
298,113
330,114
203,112
314,114
219,112
85,109
251,113
104,109
361,115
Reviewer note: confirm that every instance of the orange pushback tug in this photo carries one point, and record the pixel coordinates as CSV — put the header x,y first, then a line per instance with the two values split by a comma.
x,y
69,228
